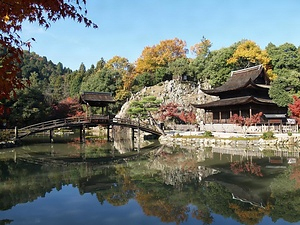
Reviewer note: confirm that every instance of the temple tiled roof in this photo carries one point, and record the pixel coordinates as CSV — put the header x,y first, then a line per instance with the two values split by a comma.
x,y
234,101
96,98
254,76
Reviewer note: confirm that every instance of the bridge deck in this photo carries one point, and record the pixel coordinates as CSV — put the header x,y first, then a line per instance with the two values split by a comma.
x,y
88,121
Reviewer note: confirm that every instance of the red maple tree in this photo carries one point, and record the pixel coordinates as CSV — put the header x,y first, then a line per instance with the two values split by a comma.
x,y
295,109
68,107
171,110
248,121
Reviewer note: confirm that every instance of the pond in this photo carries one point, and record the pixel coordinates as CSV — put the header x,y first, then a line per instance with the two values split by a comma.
x,y
99,183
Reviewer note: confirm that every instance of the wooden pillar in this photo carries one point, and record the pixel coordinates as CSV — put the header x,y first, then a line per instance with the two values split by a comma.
x,y
250,112
240,112
139,135
280,127
112,132
132,135
107,135
220,117
51,135
87,110
82,134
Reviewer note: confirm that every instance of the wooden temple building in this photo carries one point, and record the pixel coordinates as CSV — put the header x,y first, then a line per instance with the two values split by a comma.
x,y
245,93
96,99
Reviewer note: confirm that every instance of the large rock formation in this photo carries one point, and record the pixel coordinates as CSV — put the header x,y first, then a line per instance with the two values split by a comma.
x,y
182,93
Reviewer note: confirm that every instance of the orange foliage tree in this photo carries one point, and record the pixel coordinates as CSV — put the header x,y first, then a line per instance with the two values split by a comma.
x,y
160,55
12,15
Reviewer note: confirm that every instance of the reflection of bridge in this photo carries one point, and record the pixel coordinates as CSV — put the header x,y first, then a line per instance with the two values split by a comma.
x,y
83,122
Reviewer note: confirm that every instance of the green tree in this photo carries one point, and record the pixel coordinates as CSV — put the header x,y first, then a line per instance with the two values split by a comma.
x,y
31,106
59,69
285,86
285,56
100,65
105,80
143,80
180,69
214,67
55,91
75,80
143,107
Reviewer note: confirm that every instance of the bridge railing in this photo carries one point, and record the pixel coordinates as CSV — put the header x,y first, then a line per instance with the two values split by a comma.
x,y
135,123
49,123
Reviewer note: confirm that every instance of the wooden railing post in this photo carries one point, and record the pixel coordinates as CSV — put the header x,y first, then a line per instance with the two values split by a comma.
x,y
16,133
51,135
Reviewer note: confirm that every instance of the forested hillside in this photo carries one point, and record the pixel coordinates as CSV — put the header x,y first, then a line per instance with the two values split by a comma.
x,y
53,90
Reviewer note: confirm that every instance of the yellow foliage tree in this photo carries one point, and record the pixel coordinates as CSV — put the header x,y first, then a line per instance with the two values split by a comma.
x,y
248,54
125,69
160,55
118,63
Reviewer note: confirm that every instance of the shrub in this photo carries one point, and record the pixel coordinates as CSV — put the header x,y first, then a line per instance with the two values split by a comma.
x,y
268,135
4,135
208,134
289,133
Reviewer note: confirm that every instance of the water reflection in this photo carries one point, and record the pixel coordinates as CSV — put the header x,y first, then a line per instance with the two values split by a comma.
x,y
179,186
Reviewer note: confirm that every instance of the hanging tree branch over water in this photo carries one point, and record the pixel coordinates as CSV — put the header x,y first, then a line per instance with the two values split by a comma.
x,y
12,14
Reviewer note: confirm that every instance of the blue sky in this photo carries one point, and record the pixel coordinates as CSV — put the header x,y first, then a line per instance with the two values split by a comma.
x,y
126,27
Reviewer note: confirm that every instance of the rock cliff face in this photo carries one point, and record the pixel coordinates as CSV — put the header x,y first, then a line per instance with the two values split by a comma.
x,y
182,93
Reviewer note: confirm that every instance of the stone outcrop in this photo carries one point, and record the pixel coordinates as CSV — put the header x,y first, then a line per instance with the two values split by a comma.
x,y
182,93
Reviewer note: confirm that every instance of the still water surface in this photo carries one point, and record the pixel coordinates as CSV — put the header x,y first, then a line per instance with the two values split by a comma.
x,y
99,183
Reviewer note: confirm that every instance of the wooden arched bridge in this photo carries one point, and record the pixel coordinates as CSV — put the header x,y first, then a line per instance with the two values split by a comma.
x,y
82,122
